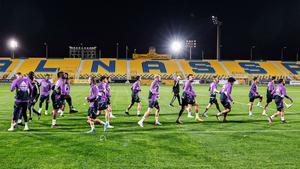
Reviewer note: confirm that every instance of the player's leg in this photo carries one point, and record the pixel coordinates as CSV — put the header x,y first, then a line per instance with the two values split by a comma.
x,y
15,116
265,109
47,104
24,113
61,110
69,101
189,110
157,114
147,113
178,98
173,99
139,108
42,99
260,100
217,106
30,111
54,114
197,118
251,107
129,107
107,119
206,109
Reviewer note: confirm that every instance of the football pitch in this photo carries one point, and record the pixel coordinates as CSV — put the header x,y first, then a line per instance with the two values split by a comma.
x,y
242,142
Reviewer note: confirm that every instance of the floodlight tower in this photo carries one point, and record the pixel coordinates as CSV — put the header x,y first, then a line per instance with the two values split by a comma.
x,y
191,44
13,45
218,23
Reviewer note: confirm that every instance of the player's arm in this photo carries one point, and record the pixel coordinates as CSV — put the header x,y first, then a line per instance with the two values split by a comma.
x,y
13,86
284,94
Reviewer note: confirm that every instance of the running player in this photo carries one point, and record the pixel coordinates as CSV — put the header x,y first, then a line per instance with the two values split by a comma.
x,y
45,94
135,90
92,112
279,95
270,90
213,90
176,90
253,94
23,89
56,97
225,97
108,95
102,102
189,98
189,107
67,97
153,101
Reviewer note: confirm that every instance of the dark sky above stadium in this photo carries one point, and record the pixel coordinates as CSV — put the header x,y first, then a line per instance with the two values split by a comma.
x,y
267,24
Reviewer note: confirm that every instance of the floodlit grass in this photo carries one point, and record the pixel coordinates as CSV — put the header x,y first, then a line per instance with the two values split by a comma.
x,y
243,142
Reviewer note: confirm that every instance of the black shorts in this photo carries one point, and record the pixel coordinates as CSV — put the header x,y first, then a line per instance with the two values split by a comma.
x,y
102,106
252,98
45,98
56,103
153,104
226,104
186,100
92,112
108,101
269,97
213,99
279,103
135,99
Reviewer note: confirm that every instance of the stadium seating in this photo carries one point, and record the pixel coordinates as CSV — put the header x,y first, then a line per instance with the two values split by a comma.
x,y
122,69
114,68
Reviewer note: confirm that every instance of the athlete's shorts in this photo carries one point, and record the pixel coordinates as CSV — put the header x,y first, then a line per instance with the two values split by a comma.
x,y
252,97
186,100
213,99
102,106
57,102
153,104
270,97
45,98
279,103
224,100
135,99
92,112
108,101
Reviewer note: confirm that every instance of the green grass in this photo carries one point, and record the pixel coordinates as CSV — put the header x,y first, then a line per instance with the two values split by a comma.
x,y
243,142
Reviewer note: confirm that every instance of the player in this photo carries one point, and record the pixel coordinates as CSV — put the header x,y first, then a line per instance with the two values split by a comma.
x,y
108,94
102,102
34,96
189,107
270,90
67,97
135,90
213,90
23,89
56,97
253,94
45,94
176,90
152,102
189,98
92,112
279,95
225,97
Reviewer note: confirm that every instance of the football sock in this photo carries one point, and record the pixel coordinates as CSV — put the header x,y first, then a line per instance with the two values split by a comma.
x,y
53,122
197,115
272,117
282,118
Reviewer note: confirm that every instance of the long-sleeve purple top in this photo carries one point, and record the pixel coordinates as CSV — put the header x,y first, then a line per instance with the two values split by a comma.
x,y
23,87
93,95
136,88
102,92
107,87
281,91
227,89
271,86
46,87
67,87
154,89
253,89
188,88
213,88
60,84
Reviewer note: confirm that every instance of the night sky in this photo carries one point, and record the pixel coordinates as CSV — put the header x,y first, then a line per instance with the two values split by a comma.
x,y
267,24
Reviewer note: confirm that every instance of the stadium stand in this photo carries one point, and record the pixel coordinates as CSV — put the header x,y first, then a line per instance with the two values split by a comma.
x,y
114,68
147,68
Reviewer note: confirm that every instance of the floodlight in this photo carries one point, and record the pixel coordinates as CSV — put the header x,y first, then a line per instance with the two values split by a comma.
x,y
176,46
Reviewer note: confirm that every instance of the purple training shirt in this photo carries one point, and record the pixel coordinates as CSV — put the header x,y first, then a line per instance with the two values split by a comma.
x,y
46,87
154,89
227,89
188,89
22,86
93,95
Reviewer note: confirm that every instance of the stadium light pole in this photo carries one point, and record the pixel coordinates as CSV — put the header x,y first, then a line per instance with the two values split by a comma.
x,y
46,49
117,50
283,52
218,23
13,45
251,52
191,44
297,55
126,51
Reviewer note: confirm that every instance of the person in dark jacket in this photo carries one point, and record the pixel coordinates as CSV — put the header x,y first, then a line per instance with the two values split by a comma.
x,y
176,90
